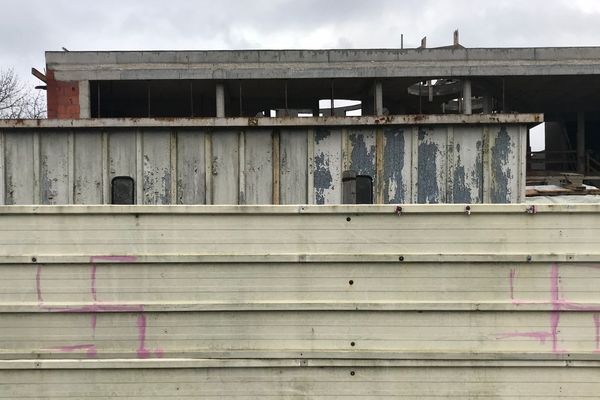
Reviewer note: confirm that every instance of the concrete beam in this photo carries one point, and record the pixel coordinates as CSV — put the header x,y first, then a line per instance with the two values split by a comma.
x,y
289,64
434,119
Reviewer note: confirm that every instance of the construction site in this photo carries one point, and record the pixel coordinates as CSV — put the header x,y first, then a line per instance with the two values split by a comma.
x,y
314,224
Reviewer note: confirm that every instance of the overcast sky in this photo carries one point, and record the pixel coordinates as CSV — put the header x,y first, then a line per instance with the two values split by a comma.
x,y
28,28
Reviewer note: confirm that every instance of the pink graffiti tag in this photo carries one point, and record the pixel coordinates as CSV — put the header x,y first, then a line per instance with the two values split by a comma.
x,y
558,304
142,351
97,307
90,349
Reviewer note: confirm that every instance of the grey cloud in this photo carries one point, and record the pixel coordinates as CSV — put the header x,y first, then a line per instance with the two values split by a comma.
x,y
28,29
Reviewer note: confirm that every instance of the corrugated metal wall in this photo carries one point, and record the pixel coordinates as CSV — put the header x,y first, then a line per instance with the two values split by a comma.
x,y
409,164
429,302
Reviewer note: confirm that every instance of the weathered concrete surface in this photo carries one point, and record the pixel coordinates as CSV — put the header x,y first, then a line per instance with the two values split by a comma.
x,y
274,122
285,64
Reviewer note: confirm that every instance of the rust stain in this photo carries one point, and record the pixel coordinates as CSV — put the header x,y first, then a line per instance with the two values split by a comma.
x,y
252,121
384,120
417,118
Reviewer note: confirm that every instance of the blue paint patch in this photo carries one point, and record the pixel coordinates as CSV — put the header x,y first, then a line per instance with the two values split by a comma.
x,y
427,182
501,172
394,188
323,178
362,158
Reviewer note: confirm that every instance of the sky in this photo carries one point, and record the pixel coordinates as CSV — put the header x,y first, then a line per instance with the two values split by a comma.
x,y
28,28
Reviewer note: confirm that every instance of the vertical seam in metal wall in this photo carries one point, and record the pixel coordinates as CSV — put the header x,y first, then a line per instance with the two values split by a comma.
x,y
487,173
450,164
71,166
379,197
522,164
139,167
2,169
414,164
310,165
341,168
105,170
174,172
346,151
208,189
276,166
241,167
37,195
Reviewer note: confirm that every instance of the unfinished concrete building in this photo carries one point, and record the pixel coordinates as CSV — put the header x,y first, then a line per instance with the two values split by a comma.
x,y
176,228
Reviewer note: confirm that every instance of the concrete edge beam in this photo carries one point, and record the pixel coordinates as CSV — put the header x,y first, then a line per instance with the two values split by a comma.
x,y
433,119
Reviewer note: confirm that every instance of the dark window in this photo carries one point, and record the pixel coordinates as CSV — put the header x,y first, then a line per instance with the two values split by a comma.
x,y
364,189
356,189
123,190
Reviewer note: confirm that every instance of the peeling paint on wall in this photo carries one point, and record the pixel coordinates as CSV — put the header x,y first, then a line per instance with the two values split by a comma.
x,y
328,151
363,152
394,185
427,182
501,171
157,167
448,165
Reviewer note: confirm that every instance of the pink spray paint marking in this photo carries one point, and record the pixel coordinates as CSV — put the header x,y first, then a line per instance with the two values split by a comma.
x,y
142,351
90,349
558,304
93,261
95,308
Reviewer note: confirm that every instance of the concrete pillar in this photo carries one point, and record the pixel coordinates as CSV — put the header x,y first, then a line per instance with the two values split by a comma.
x,y
220,95
581,142
467,97
84,99
378,98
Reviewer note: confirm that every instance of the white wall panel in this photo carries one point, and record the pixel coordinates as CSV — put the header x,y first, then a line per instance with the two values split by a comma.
x,y
299,301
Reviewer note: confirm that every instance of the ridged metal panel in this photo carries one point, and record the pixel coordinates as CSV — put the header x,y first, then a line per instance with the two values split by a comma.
x,y
248,302
264,165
